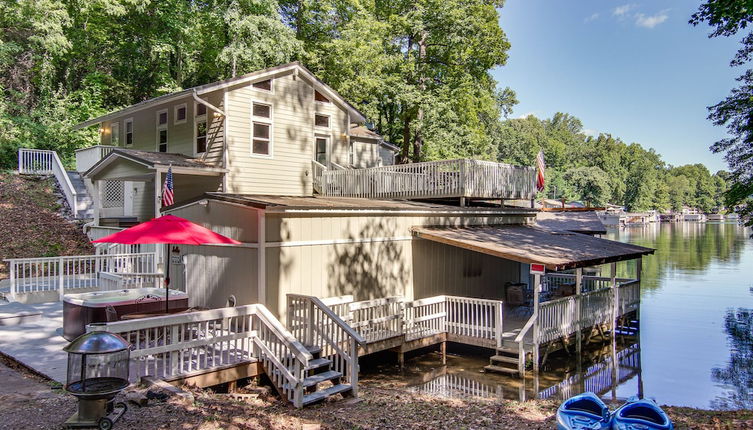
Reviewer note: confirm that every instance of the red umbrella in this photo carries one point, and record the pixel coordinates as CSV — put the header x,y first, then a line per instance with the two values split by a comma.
x,y
170,230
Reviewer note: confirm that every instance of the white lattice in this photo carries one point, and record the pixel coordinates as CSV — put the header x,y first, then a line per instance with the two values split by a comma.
x,y
112,194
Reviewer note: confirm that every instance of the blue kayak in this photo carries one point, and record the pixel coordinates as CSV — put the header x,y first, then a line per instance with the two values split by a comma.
x,y
583,412
640,415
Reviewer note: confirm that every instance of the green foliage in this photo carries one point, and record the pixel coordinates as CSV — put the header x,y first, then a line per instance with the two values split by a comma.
x,y
604,169
728,18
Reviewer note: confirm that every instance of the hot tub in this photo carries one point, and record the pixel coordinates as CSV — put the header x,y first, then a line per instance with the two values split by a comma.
x,y
79,310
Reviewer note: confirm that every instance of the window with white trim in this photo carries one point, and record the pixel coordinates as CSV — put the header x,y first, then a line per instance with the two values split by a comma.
x,y
162,130
115,134
200,128
261,129
320,150
321,120
128,125
180,114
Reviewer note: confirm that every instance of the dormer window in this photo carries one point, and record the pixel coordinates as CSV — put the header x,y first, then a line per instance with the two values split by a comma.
x,y
263,85
180,114
321,120
320,97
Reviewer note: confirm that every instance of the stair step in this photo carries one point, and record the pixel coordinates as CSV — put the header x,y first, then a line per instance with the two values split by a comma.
x,y
500,369
313,349
319,377
504,359
323,394
508,350
318,363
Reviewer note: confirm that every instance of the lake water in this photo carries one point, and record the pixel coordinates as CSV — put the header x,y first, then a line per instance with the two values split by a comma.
x,y
694,348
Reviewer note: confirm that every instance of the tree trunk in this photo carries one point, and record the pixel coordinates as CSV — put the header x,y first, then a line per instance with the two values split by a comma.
x,y
404,157
418,139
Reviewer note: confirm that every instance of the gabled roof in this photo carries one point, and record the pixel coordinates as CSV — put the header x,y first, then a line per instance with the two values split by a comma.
x,y
362,132
152,160
258,75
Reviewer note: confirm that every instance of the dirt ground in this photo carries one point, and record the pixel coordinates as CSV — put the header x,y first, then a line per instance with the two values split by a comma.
x,y
30,402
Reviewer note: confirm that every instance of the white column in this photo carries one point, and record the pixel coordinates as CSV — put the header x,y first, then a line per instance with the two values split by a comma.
x,y
157,193
97,200
262,260
577,319
536,290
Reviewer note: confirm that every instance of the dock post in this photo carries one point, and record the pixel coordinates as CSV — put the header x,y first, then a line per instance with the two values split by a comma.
x,y
578,319
615,298
443,349
536,346
401,358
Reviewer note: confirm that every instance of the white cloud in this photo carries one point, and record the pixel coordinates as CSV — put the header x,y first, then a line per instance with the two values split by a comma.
x,y
591,132
526,115
621,11
651,21
593,17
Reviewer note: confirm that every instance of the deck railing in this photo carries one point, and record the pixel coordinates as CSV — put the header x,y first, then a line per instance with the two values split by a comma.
x,y
63,274
88,157
435,179
175,345
45,162
122,281
315,324
317,169
471,320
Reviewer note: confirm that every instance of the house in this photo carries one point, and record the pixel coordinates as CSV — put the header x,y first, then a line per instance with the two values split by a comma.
x,y
332,230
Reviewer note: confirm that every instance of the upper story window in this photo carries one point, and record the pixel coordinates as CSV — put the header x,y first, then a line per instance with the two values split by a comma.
x,y
181,113
128,125
261,124
320,97
115,134
162,130
200,128
263,85
321,120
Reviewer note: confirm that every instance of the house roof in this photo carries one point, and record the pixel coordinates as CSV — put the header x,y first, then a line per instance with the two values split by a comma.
x,y
529,244
586,222
362,132
152,160
340,204
214,86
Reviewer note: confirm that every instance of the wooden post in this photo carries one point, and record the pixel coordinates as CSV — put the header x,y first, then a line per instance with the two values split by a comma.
x,y
354,367
498,326
536,291
616,297
443,349
638,268
12,269
578,328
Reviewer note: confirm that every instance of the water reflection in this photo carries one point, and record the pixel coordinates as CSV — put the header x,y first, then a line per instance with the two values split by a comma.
x,y
739,371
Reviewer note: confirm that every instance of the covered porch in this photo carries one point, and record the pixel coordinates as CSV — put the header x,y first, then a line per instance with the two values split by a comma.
x,y
127,184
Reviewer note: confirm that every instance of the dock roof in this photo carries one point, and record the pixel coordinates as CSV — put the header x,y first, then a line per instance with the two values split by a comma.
x,y
586,222
535,245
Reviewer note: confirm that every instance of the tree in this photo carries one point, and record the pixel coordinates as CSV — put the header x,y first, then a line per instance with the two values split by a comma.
x,y
728,18
590,184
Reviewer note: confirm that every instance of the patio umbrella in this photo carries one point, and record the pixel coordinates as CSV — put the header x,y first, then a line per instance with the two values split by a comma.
x,y
168,230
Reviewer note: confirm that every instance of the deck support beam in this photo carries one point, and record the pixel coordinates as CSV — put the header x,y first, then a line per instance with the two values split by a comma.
x,y
443,350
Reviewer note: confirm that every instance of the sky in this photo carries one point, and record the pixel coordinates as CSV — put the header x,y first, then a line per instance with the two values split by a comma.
x,y
635,70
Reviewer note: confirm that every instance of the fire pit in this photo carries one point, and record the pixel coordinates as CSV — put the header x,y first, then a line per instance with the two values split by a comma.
x,y
97,372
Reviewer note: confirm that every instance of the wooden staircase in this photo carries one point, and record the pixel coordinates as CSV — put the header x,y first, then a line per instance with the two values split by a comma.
x,y
506,360
320,380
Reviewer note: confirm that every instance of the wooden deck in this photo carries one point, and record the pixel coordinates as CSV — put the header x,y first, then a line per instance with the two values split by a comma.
x,y
462,178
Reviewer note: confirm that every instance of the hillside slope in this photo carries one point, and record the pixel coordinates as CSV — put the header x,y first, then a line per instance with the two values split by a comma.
x,y
30,222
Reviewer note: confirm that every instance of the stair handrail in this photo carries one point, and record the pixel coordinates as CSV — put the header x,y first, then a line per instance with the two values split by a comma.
x,y
340,340
519,339
58,170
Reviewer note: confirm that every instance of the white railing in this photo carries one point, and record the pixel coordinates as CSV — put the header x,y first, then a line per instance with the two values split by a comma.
x,y
44,162
62,274
435,179
123,281
628,297
317,169
474,318
87,157
377,319
425,317
315,324
35,161
175,345
464,319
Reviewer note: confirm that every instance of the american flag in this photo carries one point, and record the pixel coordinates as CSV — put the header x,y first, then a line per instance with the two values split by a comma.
x,y
167,190
540,168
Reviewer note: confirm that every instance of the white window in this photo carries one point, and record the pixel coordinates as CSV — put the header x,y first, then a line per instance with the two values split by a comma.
x,y
128,125
263,85
261,129
115,134
200,128
162,130
321,120
320,150
319,97
180,114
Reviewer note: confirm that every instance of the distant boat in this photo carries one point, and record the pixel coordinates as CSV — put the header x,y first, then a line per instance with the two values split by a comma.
x,y
715,217
732,216
640,414
584,411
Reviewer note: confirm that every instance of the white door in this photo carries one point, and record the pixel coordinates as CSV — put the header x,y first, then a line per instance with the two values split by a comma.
x,y
127,198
